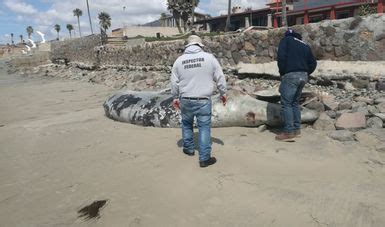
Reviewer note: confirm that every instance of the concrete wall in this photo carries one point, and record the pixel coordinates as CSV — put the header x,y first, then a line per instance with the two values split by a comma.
x,y
348,39
44,46
135,42
133,31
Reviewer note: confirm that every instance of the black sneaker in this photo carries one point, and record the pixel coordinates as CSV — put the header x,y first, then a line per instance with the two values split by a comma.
x,y
188,152
208,162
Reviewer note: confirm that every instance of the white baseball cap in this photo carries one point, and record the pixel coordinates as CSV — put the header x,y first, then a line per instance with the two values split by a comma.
x,y
194,39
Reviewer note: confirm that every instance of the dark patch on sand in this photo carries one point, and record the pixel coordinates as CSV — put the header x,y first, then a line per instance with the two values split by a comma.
x,y
92,210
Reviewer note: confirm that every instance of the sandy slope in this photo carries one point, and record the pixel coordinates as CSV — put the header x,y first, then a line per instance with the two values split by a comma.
x,y
59,153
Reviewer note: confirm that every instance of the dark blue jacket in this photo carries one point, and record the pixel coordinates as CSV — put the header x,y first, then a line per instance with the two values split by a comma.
x,y
295,56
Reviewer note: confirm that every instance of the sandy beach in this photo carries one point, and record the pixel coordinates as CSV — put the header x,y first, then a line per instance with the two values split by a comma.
x,y
59,153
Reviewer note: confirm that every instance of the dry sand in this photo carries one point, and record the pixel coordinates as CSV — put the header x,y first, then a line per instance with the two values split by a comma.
x,y
60,153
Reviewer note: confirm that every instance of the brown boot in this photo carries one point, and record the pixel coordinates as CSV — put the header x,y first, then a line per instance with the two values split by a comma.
x,y
297,133
285,137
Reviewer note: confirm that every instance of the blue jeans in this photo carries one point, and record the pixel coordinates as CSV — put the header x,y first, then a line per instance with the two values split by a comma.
x,y
291,90
201,109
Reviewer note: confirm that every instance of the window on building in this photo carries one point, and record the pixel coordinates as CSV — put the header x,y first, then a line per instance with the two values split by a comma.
x,y
215,26
291,20
259,21
300,20
235,25
316,18
343,14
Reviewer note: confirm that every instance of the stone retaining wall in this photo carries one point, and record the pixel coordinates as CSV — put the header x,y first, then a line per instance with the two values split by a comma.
x,y
349,39
77,50
35,59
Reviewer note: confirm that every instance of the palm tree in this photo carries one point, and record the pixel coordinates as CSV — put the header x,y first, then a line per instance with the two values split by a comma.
x,y
181,9
174,7
21,38
228,17
70,28
284,17
193,5
78,13
57,28
12,38
89,16
104,20
29,31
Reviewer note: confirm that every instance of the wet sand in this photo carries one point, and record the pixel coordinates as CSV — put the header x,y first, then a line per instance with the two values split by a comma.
x,y
59,154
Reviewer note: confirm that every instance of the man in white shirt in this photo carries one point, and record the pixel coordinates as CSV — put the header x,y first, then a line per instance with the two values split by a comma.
x,y
192,86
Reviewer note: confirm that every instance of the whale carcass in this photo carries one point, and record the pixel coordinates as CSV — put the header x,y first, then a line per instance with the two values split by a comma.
x,y
149,108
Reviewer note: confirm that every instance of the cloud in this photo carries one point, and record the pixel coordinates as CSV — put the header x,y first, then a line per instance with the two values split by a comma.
x,y
218,7
20,7
61,12
135,12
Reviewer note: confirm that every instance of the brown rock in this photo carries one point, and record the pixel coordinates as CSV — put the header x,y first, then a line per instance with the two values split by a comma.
x,y
315,105
249,47
330,103
381,107
344,106
366,100
150,82
374,122
351,121
324,122
360,83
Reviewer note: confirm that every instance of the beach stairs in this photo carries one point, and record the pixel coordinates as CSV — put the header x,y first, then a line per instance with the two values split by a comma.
x,y
116,41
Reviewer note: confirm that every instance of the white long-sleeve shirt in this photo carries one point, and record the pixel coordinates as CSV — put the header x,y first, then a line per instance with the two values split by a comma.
x,y
194,72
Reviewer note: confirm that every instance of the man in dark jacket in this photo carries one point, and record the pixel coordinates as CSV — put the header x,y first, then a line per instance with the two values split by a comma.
x,y
295,62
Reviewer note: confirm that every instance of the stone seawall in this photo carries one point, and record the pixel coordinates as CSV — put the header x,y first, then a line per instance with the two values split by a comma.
x,y
76,50
35,59
352,39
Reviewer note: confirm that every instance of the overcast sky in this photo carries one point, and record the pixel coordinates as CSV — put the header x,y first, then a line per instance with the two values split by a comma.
x,y
42,15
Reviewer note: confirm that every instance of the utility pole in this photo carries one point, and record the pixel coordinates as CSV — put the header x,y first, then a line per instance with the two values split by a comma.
x,y
124,24
192,15
284,15
89,17
228,17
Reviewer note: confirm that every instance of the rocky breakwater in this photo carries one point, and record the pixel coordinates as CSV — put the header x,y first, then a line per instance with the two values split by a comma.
x,y
349,95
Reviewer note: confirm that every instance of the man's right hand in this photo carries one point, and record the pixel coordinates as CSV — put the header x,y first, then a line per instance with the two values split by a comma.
x,y
176,104
224,99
